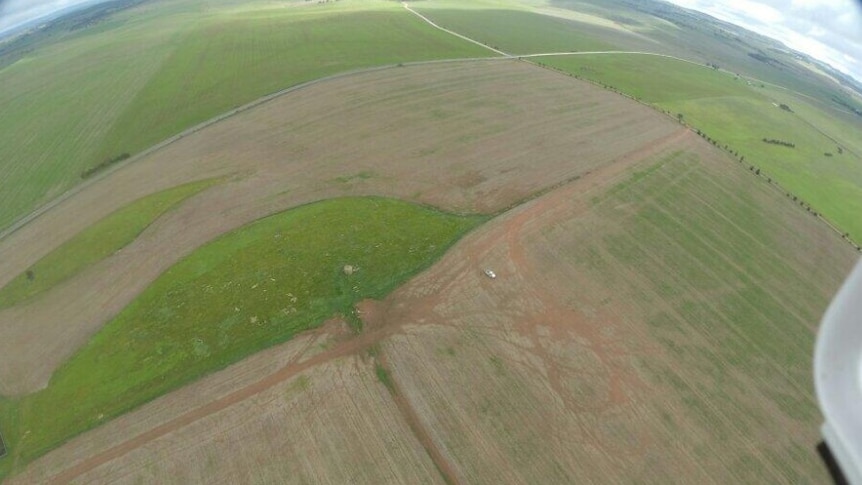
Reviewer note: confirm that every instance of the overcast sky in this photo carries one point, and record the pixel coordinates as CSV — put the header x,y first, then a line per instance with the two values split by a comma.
x,y
829,30
16,12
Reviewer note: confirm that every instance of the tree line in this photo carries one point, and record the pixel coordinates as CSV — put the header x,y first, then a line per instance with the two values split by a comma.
x,y
105,164
779,142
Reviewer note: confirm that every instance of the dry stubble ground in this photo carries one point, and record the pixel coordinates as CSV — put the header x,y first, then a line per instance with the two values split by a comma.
x,y
471,137
558,370
583,364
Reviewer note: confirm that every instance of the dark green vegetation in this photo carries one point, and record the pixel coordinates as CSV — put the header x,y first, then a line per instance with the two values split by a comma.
x,y
737,115
783,143
246,291
149,72
104,165
384,377
95,243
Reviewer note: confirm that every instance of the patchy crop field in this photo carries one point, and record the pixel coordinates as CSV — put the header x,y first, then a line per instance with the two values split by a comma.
x,y
649,321
314,402
653,324
467,138
248,290
95,243
629,304
421,133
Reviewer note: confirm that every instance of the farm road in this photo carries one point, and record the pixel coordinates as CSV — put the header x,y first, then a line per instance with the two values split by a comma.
x,y
456,34
541,54
583,53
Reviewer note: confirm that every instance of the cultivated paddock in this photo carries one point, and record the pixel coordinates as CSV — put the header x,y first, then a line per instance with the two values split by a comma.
x,y
642,330
464,137
652,317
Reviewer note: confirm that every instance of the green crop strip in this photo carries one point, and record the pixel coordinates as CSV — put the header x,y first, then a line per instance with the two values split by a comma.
x,y
248,290
95,243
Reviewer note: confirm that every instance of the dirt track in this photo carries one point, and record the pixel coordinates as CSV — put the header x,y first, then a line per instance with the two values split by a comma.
x,y
463,137
380,325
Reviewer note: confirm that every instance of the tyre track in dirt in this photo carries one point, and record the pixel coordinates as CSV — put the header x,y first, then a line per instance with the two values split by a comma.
x,y
414,421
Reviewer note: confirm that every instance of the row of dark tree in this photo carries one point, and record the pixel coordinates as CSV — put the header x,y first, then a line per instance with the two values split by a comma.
x,y
779,142
105,164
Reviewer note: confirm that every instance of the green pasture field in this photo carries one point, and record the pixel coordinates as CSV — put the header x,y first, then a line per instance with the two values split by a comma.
x,y
95,243
245,291
726,284
152,71
739,113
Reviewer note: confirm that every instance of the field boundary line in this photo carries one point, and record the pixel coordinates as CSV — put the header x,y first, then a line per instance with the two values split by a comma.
x,y
452,32
420,431
23,221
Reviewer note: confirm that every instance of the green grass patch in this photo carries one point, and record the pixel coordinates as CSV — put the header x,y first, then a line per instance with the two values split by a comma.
x,y
740,116
245,291
95,243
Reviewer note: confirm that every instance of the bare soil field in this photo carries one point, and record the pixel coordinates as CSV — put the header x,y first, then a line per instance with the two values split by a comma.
x,y
651,319
669,358
467,137
579,362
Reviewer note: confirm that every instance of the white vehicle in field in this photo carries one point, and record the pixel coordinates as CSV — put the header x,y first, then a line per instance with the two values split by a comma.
x,y
490,274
